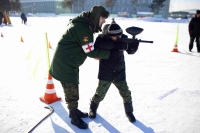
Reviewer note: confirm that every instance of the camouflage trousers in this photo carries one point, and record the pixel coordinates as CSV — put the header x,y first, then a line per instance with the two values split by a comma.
x,y
103,87
71,95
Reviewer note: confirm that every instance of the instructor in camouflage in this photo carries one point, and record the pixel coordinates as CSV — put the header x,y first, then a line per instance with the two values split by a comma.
x,y
71,52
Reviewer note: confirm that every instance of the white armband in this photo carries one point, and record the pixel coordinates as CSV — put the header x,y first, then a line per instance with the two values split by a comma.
x,y
89,47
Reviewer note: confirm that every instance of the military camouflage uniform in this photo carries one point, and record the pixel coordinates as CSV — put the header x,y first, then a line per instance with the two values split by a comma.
x,y
71,94
104,86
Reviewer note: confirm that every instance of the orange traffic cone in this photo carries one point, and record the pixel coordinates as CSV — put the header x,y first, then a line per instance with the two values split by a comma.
x,y
50,45
21,39
175,49
1,34
50,94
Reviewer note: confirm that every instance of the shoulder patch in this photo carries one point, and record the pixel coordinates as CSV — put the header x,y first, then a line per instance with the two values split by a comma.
x,y
85,39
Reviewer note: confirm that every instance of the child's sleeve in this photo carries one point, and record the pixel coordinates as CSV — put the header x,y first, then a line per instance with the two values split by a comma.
x,y
103,43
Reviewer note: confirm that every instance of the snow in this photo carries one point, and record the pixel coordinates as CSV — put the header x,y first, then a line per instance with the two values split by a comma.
x,y
165,85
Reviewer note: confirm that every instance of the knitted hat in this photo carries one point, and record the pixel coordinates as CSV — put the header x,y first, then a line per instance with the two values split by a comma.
x,y
198,11
114,30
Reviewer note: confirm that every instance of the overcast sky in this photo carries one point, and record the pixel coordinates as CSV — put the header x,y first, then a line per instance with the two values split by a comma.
x,y
184,5
185,0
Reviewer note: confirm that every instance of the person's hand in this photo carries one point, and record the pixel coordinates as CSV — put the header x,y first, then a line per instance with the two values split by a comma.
x,y
97,58
190,32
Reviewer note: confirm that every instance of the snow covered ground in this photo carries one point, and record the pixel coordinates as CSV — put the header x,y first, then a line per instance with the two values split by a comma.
x,y
165,85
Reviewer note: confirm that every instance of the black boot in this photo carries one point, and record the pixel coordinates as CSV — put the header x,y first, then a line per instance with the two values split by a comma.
x,y
129,111
93,109
76,120
81,114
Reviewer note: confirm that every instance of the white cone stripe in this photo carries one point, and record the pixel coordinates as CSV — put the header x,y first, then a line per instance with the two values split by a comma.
x,y
50,91
50,82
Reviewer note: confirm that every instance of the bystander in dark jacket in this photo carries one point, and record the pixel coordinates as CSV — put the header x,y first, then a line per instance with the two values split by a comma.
x,y
1,17
194,31
24,18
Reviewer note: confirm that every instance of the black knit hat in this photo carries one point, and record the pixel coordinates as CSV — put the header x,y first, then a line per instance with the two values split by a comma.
x,y
198,11
114,30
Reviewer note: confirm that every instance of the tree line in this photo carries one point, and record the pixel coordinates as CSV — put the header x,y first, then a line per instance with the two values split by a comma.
x,y
15,5
10,5
155,6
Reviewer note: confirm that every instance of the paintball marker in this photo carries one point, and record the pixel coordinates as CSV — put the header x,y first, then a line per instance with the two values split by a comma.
x,y
133,31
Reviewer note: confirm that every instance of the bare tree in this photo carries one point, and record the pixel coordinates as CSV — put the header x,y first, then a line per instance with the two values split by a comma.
x,y
157,5
135,3
15,5
67,3
82,4
110,3
4,5
71,3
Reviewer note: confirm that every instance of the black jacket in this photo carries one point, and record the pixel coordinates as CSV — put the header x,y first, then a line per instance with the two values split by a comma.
x,y
194,26
113,68
1,15
22,16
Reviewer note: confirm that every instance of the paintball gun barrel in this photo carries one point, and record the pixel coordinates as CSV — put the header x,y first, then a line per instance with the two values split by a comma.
x,y
133,31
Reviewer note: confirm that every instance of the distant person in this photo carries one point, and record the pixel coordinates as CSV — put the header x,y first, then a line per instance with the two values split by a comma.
x,y
1,17
24,18
5,18
76,44
112,70
194,31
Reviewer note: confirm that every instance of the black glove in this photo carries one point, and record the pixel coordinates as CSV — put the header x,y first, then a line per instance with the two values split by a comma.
x,y
190,32
120,46
132,47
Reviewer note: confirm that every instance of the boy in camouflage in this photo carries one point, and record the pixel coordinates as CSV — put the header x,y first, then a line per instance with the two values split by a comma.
x,y
112,70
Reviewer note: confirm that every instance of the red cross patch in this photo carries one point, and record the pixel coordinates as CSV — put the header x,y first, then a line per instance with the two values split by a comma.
x,y
89,47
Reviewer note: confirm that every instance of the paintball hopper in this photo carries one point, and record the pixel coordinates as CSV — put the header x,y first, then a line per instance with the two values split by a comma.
x,y
134,30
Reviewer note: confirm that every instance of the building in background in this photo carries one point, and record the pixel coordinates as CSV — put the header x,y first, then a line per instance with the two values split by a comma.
x,y
43,6
181,14
54,6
